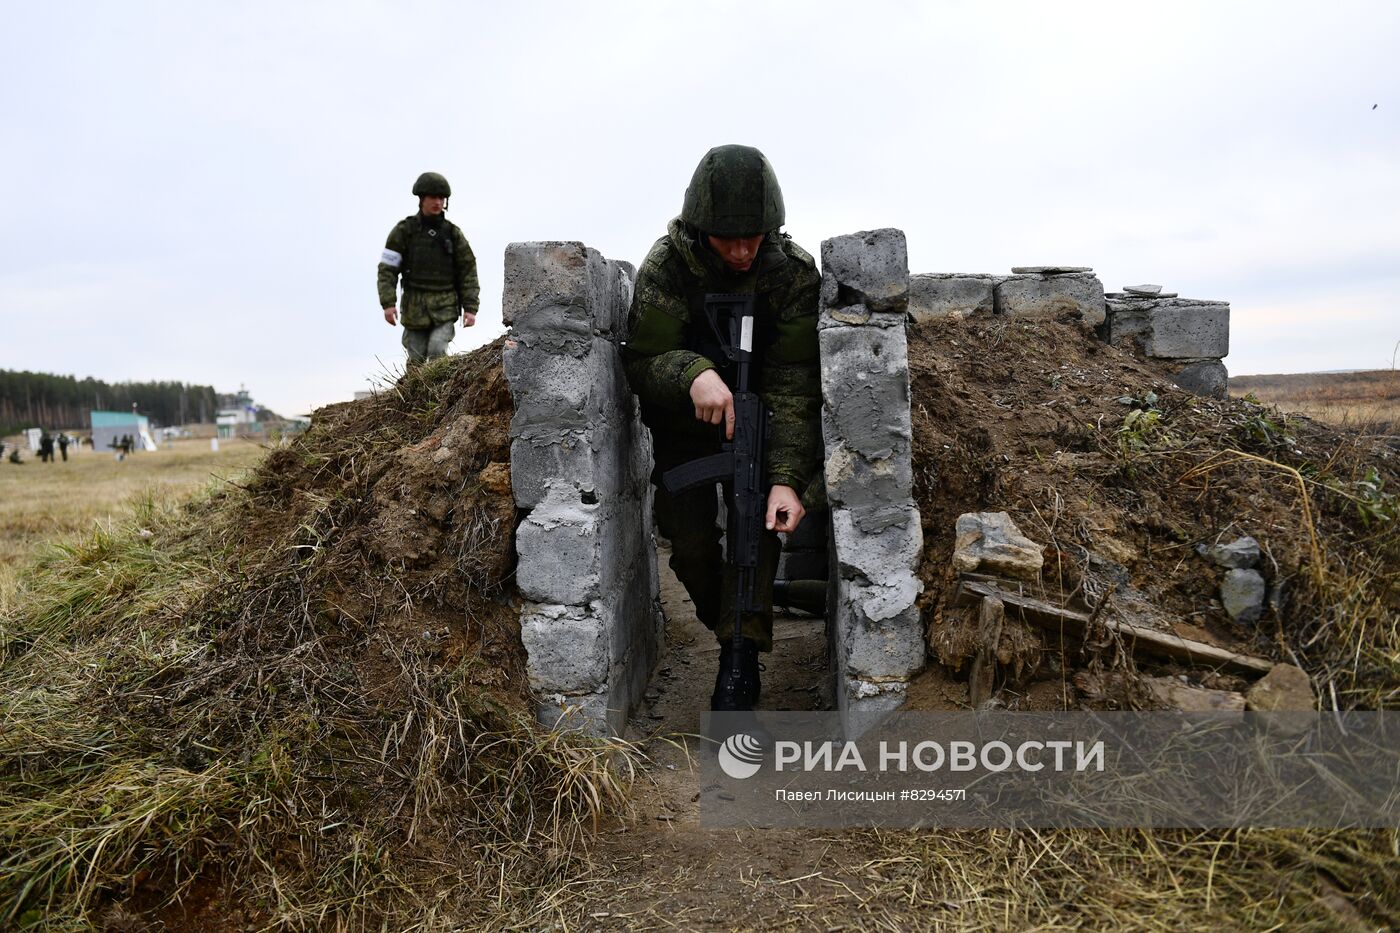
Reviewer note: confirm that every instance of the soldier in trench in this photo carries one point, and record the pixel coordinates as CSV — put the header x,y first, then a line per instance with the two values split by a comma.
x,y
727,239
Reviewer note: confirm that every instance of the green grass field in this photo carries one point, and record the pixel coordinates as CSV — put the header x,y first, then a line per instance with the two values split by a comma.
x,y
42,503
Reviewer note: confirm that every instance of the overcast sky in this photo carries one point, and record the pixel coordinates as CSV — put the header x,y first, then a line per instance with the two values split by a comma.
x,y
200,191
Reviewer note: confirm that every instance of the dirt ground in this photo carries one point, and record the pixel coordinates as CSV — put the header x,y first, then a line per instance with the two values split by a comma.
x,y
660,870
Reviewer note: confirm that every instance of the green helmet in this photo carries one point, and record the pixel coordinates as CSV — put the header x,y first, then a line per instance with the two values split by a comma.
x,y
734,193
431,183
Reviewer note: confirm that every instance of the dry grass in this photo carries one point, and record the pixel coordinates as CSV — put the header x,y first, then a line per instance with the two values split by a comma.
x,y
1367,402
43,503
200,728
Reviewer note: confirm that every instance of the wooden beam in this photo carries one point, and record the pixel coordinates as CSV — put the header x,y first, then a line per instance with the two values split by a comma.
x,y
1074,624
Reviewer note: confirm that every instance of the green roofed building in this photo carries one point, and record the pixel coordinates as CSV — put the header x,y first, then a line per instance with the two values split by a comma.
x,y
109,426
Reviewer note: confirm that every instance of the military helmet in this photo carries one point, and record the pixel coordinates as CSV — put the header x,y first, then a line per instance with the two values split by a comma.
x,y
734,192
431,183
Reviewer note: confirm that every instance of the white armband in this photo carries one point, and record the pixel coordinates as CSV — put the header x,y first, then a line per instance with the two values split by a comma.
x,y
391,259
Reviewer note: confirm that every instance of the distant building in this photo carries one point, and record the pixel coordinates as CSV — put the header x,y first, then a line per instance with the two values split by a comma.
x,y
240,418
109,426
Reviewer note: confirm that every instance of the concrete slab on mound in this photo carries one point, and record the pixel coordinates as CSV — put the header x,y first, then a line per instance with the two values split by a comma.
x,y
1050,296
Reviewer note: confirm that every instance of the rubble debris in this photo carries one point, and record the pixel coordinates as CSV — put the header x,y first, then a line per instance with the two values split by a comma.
x,y
1075,624
1285,689
1192,699
1239,554
991,542
1242,592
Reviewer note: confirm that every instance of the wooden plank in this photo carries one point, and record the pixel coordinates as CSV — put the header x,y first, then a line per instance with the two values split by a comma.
x,y
981,680
1074,624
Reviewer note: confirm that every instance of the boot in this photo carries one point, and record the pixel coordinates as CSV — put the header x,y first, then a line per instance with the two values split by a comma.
x,y
737,684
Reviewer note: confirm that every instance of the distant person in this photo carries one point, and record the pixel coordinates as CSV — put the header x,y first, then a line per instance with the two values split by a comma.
x,y
63,441
126,445
438,269
46,447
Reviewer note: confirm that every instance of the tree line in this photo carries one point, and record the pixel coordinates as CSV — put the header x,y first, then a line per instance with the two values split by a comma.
x,y
43,400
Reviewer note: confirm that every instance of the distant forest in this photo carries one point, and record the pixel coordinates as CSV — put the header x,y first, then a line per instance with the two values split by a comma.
x,y
42,400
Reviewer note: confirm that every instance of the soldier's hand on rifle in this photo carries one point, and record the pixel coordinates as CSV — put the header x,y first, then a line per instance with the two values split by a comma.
x,y
785,509
468,318
714,403
391,314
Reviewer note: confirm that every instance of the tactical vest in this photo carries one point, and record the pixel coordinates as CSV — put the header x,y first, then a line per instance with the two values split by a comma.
x,y
429,262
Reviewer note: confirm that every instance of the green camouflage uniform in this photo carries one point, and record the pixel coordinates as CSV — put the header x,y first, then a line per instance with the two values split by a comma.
x,y
663,356
439,281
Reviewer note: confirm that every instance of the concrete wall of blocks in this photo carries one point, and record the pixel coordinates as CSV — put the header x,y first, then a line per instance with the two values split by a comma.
x,y
580,463
581,459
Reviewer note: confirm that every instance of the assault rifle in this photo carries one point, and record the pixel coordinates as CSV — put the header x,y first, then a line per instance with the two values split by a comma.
x,y
740,461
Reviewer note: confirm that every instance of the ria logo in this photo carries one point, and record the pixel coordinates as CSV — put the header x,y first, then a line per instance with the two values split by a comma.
x,y
741,756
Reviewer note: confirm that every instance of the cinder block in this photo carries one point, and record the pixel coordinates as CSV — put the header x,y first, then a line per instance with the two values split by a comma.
x,y
864,705
588,713
934,295
567,648
549,388
884,557
891,648
559,550
540,458
865,414
1178,331
1050,296
869,268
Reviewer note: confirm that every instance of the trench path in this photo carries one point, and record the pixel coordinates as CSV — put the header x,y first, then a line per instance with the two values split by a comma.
x,y
658,868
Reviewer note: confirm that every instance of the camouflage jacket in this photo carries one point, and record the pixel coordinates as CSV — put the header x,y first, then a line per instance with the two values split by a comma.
x,y
662,356
438,270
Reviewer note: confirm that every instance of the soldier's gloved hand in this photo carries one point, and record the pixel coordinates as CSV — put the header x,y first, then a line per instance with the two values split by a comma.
x,y
714,403
785,509
468,318
391,314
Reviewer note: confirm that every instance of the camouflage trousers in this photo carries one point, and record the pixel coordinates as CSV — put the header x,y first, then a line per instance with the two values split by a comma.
x,y
688,519
427,343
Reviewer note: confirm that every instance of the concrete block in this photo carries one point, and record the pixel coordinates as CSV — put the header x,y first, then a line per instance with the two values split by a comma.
x,y
1204,377
549,388
559,549
567,648
869,269
1173,328
1050,296
934,295
612,296
892,649
884,557
865,705
589,713
540,273
865,415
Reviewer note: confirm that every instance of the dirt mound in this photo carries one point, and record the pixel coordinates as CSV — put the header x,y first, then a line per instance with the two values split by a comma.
x,y
300,702
1122,478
